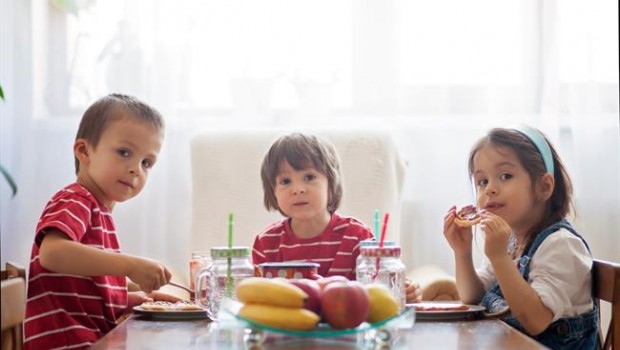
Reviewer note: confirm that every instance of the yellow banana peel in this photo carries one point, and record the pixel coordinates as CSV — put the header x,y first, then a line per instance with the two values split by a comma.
x,y
258,290
281,317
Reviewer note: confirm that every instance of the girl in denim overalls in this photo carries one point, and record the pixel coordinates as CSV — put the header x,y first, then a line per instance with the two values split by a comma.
x,y
538,268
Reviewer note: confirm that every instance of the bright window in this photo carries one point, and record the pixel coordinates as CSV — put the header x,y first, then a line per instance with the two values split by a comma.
x,y
262,58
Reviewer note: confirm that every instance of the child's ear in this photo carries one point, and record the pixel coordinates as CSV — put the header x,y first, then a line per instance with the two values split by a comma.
x,y
546,185
80,150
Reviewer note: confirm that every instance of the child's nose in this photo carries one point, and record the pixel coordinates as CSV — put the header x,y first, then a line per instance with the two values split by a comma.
x,y
491,190
134,169
299,189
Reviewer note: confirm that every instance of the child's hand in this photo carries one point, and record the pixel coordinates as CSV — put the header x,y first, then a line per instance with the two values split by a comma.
x,y
136,298
459,238
496,235
150,275
161,296
413,292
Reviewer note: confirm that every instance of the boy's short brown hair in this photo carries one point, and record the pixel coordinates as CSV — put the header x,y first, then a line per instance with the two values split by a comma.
x,y
111,108
301,152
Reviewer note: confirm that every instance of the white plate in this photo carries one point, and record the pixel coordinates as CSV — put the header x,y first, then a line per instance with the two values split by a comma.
x,y
474,312
171,314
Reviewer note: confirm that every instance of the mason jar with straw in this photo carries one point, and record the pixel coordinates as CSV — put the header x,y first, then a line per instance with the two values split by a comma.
x,y
379,262
230,265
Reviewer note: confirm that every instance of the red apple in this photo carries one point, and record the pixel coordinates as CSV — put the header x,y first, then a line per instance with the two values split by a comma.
x,y
323,282
345,304
311,287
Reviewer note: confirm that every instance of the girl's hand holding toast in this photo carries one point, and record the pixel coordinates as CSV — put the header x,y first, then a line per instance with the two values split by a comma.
x,y
459,238
496,235
150,275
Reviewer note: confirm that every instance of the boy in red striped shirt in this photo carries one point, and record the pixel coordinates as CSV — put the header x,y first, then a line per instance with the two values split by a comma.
x,y
77,287
301,179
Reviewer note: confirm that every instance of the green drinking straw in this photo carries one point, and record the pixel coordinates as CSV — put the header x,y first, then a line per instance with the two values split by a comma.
x,y
229,278
230,230
376,223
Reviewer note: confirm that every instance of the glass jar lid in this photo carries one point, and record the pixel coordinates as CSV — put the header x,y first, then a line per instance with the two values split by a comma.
x,y
383,252
291,264
200,254
372,242
234,252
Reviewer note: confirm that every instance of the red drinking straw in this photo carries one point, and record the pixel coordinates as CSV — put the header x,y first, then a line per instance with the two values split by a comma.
x,y
384,229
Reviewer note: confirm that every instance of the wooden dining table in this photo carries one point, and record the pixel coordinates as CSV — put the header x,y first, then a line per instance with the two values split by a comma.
x,y
139,332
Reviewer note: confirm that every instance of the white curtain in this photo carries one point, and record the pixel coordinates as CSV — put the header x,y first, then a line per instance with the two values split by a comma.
x,y
437,74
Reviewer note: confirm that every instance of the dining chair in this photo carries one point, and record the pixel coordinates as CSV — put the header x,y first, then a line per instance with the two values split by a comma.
x,y
13,306
226,178
606,287
12,270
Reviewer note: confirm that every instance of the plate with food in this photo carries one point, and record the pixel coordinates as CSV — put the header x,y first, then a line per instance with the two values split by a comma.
x,y
446,311
181,310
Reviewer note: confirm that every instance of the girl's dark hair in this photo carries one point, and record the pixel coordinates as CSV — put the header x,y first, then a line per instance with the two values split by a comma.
x,y
111,108
560,204
302,152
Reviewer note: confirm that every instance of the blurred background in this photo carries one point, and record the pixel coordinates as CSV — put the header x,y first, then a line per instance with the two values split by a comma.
x,y
435,74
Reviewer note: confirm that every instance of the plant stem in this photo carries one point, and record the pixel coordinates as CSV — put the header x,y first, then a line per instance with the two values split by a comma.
x,y
9,179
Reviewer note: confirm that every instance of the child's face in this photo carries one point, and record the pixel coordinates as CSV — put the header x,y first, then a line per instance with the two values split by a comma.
x,y
301,194
504,187
117,169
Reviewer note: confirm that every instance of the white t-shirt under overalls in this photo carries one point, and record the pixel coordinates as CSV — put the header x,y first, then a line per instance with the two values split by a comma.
x,y
560,272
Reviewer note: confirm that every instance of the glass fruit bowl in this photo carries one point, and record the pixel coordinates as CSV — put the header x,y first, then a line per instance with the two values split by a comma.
x,y
382,332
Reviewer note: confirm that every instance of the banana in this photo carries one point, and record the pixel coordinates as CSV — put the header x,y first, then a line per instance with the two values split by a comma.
x,y
258,290
282,317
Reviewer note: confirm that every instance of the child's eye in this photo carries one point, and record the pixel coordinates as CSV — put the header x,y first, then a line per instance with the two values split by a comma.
x,y
284,181
310,177
482,182
147,164
123,153
505,176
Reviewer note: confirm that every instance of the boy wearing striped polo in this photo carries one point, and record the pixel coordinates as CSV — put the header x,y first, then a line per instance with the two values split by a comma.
x,y
301,179
77,287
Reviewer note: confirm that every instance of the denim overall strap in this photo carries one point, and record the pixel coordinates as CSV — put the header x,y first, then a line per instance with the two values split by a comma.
x,y
524,261
568,333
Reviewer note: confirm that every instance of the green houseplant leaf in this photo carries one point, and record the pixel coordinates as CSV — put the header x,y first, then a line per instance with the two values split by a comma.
x,y
9,180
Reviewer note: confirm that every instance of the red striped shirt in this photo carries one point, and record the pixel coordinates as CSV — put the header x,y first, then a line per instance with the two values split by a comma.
x,y
336,249
68,311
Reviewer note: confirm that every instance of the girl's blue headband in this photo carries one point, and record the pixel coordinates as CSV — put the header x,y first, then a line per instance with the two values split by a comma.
x,y
541,144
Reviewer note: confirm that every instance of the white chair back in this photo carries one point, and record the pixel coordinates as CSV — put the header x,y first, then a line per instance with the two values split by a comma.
x,y
226,178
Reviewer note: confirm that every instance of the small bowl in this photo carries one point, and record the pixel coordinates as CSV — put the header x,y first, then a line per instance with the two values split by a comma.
x,y
290,270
